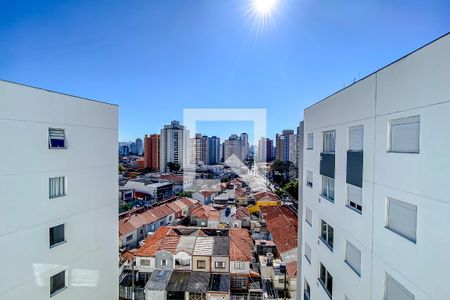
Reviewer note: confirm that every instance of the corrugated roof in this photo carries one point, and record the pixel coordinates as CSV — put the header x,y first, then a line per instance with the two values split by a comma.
x,y
198,282
186,244
221,246
158,280
204,246
178,282
174,207
282,224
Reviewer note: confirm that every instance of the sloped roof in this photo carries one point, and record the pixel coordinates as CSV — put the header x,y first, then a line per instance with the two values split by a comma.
x,y
158,212
221,246
152,243
242,213
241,245
186,244
198,282
131,223
291,269
219,283
166,209
180,204
174,207
188,201
158,280
204,212
178,282
149,217
266,196
204,246
169,243
283,226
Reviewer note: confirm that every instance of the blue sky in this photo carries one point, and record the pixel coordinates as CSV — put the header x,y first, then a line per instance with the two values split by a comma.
x,y
155,58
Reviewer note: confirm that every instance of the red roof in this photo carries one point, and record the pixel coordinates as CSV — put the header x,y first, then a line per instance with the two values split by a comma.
x,y
242,213
266,196
131,223
241,245
241,192
205,212
188,201
180,204
291,269
174,207
166,209
149,217
152,244
158,212
283,226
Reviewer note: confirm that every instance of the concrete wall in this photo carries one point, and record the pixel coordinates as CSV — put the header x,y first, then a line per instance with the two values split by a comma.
x,y
207,260
414,85
89,211
224,259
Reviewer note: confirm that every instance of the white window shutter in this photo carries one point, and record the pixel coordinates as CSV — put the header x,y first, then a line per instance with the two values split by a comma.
x,y
405,135
308,252
309,178
308,215
354,194
402,218
356,138
353,257
396,291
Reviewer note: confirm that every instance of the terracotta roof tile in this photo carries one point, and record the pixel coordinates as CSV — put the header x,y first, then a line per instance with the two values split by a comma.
x,y
241,245
282,224
266,196
174,207
152,243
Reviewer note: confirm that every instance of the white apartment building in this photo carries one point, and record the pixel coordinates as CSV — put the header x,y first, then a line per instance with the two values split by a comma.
x,y
58,183
376,193
174,146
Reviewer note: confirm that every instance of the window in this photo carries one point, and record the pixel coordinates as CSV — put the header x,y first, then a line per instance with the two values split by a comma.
x,y
326,280
238,282
57,187
309,179
329,141
56,138
327,234
394,290
219,265
404,135
163,262
201,264
354,195
402,218
57,283
308,253
57,235
353,258
239,265
280,280
145,262
356,138
129,238
310,141
308,216
306,291
328,188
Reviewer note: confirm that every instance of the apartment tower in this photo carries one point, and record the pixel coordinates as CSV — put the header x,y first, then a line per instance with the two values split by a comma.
x,y
58,229
375,197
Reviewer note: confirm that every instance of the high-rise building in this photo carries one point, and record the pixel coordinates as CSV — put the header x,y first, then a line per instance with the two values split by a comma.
x,y
265,150
286,146
152,152
213,150
59,227
133,148
376,184
236,145
174,146
139,146
244,146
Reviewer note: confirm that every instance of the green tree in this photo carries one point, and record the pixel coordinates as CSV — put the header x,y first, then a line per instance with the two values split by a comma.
x,y
173,167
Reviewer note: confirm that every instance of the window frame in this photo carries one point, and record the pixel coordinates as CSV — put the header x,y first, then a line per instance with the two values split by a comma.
x,y
387,214
310,253
308,146
204,264
306,216
328,190
56,292
326,239
51,187
50,139
389,143
324,282
327,137
349,203
216,263
56,244
353,268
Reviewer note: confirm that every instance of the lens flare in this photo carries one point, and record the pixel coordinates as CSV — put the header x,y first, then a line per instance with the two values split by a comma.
x,y
264,7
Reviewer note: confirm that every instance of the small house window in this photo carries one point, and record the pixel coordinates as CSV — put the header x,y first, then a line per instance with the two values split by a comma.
x,y
57,235
57,187
56,138
57,283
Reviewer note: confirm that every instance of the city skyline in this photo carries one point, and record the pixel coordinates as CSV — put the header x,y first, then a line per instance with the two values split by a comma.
x,y
208,55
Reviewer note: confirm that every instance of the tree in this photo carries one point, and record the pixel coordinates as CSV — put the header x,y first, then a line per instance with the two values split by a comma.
x,y
184,194
292,188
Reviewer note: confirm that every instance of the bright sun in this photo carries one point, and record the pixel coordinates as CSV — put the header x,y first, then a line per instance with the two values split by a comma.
x,y
264,7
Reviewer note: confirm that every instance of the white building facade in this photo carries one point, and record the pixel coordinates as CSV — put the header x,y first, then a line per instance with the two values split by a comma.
x,y
375,191
58,229
174,146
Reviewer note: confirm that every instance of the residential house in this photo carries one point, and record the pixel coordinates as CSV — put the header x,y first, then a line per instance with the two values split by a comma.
x,y
201,256
220,261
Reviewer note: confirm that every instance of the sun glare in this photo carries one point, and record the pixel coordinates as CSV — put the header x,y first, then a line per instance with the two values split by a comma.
x,y
264,7
262,13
